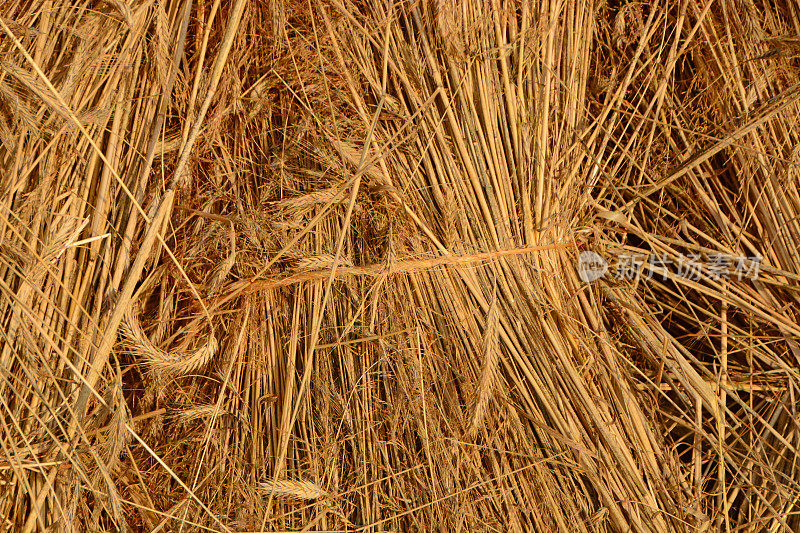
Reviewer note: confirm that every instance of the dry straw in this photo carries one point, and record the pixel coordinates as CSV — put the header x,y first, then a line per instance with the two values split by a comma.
x,y
139,345
338,241
294,490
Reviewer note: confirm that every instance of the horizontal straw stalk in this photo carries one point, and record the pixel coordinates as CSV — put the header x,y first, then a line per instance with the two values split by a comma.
x,y
284,266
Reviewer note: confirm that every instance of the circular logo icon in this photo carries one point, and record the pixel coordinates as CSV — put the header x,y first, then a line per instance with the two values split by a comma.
x,y
591,266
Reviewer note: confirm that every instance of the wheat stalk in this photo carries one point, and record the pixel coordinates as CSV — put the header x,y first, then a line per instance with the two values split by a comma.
x,y
489,371
293,490
137,342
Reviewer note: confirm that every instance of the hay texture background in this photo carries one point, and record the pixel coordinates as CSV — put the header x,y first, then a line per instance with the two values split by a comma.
x,y
313,266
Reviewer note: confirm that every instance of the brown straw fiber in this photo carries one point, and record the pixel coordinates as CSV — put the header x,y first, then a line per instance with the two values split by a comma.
x,y
399,266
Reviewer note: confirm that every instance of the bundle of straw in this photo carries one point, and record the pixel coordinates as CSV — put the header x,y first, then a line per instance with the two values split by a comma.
x,y
321,266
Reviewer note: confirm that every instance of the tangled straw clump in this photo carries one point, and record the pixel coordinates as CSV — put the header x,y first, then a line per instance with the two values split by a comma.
x,y
271,266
